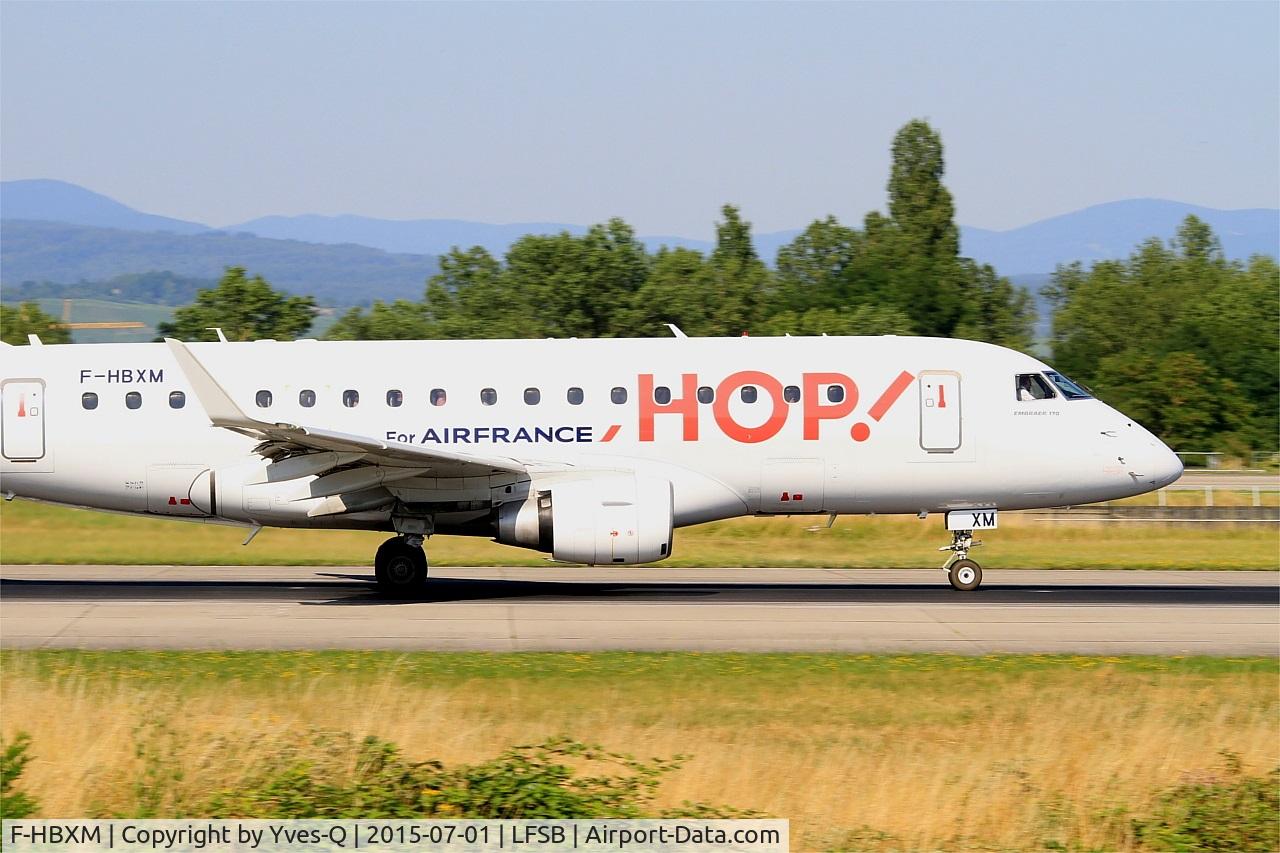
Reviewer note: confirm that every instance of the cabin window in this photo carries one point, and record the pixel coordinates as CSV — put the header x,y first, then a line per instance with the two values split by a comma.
x,y
748,393
89,400
263,399
1032,386
1069,389
618,395
662,395
350,398
706,394
488,396
791,393
133,400
438,397
306,398
835,393
177,399
532,396
395,398
575,396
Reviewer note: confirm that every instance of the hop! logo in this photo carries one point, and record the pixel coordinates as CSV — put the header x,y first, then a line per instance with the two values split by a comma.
x,y
814,409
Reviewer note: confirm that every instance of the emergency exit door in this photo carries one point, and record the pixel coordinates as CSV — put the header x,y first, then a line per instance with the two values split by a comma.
x,y
22,420
940,411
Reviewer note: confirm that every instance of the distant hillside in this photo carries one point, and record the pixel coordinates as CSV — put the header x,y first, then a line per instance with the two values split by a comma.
x,y
438,236
58,201
335,275
150,288
1108,231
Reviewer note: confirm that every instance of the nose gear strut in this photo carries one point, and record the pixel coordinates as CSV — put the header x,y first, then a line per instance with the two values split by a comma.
x,y
963,573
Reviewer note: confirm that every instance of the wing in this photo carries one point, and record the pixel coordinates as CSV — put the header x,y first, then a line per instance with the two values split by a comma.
x,y
279,441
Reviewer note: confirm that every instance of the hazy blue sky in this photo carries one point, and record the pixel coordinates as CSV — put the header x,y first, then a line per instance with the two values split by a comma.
x,y
221,112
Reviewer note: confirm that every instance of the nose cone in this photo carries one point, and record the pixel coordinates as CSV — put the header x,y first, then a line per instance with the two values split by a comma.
x,y
1167,467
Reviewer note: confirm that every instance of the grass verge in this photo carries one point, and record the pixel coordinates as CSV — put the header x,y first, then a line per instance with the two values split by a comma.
x,y
915,752
37,533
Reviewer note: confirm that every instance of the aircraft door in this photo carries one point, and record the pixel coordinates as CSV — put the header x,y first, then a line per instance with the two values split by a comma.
x,y
940,423
792,485
22,421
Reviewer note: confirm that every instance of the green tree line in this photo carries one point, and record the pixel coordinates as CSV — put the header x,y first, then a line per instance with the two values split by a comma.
x,y
898,274
1179,338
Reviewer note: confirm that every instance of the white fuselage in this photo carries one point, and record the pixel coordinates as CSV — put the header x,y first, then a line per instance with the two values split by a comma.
x,y
916,425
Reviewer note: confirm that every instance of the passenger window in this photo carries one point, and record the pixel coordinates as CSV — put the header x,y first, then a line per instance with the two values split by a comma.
x,y
263,399
177,399
89,400
618,395
532,396
748,393
1031,386
791,393
662,395
488,396
575,396
835,393
395,398
1069,389
438,397
133,400
350,398
306,398
706,394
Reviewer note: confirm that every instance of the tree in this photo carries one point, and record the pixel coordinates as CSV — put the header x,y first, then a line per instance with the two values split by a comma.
x,y
1177,337
246,309
16,322
739,280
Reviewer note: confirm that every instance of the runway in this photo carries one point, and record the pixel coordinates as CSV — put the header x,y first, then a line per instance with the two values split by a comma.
x,y
565,608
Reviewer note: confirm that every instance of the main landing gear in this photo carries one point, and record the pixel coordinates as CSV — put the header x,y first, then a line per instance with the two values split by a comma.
x,y
964,574
400,566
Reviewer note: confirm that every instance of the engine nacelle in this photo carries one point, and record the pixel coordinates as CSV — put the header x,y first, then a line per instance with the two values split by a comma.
x,y
602,520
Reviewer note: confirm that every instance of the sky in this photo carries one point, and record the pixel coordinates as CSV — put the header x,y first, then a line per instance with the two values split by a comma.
x,y
658,113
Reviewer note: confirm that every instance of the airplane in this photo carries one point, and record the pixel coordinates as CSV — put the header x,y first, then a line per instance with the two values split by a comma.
x,y
591,450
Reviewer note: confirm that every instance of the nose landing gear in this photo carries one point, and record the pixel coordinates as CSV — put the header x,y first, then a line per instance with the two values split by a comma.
x,y
400,566
963,573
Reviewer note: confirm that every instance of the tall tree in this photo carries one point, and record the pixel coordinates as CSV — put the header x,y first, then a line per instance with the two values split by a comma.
x,y
246,309
928,282
26,318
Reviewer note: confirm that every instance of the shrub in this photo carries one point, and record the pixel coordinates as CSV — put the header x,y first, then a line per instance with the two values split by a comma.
x,y
543,780
14,805
1228,811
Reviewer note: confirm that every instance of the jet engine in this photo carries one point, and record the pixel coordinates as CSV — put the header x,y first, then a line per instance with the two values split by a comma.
x,y
600,520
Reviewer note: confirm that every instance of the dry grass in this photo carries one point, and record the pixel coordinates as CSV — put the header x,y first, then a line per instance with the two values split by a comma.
x,y
918,752
34,533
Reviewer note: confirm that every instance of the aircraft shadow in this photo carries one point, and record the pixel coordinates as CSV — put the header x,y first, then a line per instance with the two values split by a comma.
x,y
347,590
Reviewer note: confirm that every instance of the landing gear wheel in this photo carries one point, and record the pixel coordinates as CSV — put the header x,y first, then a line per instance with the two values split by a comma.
x,y
965,575
400,568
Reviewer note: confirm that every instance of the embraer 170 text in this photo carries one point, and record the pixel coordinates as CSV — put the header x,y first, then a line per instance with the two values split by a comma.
x,y
591,450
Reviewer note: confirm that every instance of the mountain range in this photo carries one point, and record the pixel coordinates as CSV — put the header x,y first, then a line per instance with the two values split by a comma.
x,y
53,231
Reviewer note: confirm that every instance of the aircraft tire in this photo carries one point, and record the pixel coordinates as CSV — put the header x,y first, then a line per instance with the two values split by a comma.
x,y
965,575
399,568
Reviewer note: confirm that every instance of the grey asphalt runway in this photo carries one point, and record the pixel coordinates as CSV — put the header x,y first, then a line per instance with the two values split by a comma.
x,y
506,609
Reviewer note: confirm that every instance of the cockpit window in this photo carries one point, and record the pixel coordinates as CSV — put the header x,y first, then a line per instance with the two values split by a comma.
x,y
1031,386
1069,389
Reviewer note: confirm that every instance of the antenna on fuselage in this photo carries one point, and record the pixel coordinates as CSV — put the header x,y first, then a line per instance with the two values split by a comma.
x,y
34,340
218,329
675,330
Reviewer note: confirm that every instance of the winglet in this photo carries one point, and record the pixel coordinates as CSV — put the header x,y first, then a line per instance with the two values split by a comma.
x,y
218,405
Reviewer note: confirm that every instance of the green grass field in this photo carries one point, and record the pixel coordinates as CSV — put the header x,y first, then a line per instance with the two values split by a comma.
x,y
909,752
36,533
